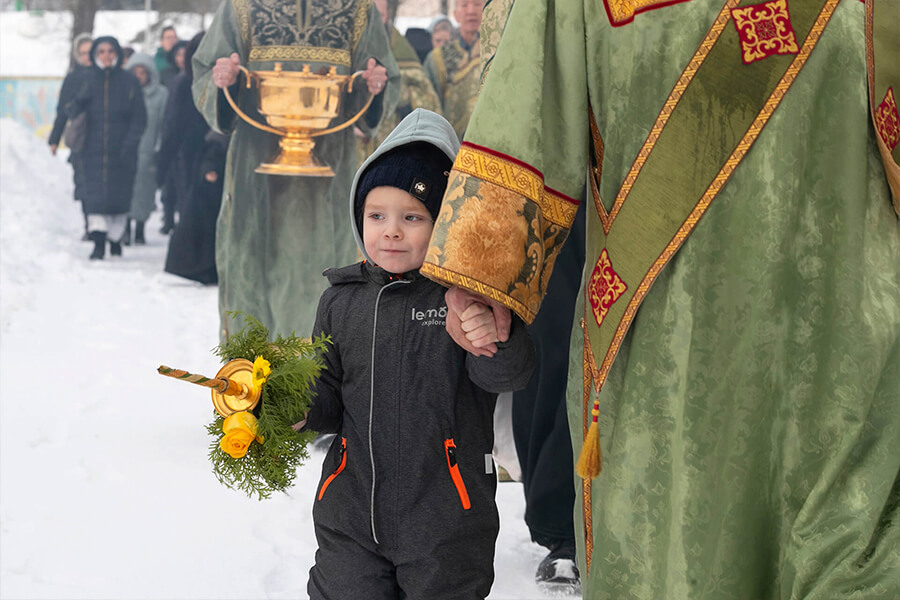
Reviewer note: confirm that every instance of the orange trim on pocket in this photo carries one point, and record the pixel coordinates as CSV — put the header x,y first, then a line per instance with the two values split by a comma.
x,y
450,451
338,470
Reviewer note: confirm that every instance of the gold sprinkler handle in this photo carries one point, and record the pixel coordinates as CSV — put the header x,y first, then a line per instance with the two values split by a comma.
x,y
241,113
356,117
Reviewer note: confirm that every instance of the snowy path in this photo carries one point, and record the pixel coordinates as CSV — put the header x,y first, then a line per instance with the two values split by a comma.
x,y
105,488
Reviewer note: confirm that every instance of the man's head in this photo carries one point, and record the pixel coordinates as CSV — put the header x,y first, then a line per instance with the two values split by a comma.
x,y
167,38
397,200
468,14
441,31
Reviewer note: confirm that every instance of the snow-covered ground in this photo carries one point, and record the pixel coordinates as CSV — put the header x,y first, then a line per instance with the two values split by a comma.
x,y
105,488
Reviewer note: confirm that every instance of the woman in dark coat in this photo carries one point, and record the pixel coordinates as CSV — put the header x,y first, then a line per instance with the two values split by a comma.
x,y
189,142
81,52
113,102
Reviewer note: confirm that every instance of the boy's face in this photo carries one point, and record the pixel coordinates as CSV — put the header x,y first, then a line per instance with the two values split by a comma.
x,y
396,229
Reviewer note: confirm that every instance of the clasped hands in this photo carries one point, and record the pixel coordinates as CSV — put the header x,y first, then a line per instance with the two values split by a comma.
x,y
476,323
225,73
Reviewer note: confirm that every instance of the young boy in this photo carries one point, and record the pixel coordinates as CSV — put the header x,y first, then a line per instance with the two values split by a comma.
x,y
405,507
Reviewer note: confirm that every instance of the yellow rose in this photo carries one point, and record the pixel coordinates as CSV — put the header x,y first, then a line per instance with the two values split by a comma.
x,y
236,443
261,371
240,431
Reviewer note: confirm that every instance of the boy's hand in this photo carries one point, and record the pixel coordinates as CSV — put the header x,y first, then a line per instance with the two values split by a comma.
x,y
476,323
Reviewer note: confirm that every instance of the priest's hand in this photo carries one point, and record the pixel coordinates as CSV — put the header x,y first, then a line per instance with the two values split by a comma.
x,y
375,76
475,322
225,71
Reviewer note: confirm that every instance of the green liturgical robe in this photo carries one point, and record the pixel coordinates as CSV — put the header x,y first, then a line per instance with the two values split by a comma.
x,y
276,234
455,71
740,316
416,91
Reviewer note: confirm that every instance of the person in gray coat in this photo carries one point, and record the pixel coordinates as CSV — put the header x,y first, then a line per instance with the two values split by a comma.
x,y
405,507
143,199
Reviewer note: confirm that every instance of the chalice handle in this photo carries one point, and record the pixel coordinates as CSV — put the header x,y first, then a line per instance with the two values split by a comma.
x,y
242,114
355,117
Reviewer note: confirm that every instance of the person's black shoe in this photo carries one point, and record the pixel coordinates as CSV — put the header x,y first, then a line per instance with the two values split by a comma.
x,y
557,575
115,248
139,233
126,237
99,239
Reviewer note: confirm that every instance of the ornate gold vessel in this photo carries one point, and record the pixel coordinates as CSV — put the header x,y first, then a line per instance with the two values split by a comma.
x,y
298,106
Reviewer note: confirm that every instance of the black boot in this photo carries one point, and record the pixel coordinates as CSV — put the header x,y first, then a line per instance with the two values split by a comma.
x,y
115,248
139,233
99,239
126,237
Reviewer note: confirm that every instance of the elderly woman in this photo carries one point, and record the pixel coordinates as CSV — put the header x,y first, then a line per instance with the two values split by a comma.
x,y
143,200
112,100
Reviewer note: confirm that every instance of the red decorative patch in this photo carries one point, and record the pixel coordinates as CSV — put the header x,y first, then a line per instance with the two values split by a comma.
x,y
605,287
765,30
887,121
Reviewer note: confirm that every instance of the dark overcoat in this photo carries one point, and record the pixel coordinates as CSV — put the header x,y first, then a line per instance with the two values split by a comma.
x,y
116,117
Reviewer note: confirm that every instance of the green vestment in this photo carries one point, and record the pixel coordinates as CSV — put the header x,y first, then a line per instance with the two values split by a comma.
x,y
416,91
750,422
276,234
455,72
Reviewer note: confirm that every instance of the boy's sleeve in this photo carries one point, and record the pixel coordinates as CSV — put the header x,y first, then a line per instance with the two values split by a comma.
x,y
326,413
510,368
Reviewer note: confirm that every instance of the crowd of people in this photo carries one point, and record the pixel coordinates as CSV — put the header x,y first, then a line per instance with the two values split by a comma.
x,y
740,372
136,141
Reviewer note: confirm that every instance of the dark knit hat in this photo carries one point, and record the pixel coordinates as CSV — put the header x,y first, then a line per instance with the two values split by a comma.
x,y
418,168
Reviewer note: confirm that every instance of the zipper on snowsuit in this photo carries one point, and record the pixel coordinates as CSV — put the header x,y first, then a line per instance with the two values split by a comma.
x,y
450,451
372,402
337,471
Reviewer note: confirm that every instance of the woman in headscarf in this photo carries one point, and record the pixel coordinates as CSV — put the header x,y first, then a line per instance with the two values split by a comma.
x,y
74,132
143,199
113,103
189,142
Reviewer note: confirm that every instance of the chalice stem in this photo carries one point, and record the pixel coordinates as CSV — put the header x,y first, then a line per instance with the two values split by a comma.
x,y
222,385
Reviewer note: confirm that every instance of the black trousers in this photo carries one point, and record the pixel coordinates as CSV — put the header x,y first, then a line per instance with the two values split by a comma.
x,y
540,426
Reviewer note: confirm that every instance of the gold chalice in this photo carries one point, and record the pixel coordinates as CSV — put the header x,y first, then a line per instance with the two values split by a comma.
x,y
298,106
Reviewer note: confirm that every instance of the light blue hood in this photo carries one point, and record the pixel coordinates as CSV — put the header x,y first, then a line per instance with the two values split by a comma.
x,y
419,126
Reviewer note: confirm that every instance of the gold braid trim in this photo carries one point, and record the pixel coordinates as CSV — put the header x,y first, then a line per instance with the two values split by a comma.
x,y
360,21
713,190
519,179
242,12
337,56
668,108
435,272
587,362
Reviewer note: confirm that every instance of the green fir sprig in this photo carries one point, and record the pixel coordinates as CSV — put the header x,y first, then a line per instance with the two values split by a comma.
x,y
286,396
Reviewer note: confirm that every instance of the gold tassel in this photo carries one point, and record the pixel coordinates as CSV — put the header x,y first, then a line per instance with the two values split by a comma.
x,y
590,462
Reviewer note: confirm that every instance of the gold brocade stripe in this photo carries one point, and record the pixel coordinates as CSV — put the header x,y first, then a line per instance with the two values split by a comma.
x,y
242,12
712,191
596,169
337,56
359,22
586,376
668,108
516,177
870,53
454,278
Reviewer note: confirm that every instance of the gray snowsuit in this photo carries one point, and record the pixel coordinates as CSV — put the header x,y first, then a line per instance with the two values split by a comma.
x,y
405,506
